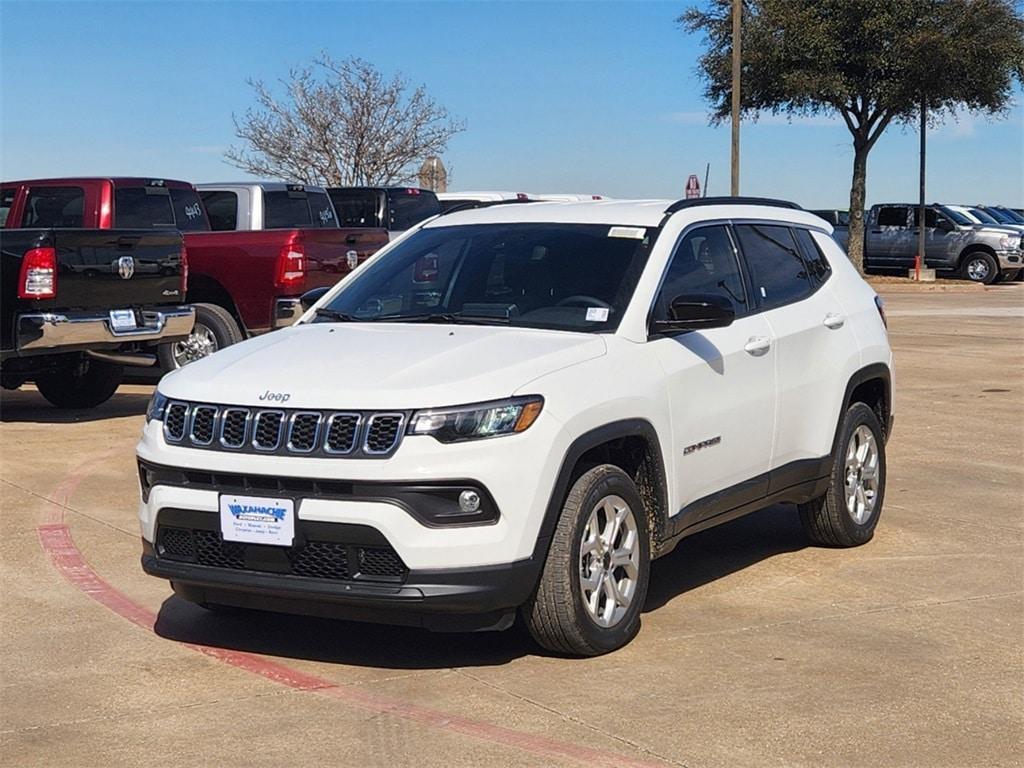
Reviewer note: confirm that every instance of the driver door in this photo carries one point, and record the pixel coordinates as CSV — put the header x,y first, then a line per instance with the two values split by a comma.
x,y
720,381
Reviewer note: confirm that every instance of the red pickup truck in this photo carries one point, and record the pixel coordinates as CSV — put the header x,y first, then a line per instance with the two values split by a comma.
x,y
268,244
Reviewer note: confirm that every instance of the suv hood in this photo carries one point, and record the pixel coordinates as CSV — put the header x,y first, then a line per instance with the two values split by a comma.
x,y
379,365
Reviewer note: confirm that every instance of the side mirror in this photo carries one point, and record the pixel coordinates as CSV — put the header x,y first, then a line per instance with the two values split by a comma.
x,y
695,313
311,297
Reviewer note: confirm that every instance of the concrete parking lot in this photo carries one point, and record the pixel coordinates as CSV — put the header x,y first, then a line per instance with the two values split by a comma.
x,y
755,648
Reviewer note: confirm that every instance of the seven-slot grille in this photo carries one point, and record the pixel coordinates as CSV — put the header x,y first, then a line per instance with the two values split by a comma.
x,y
351,434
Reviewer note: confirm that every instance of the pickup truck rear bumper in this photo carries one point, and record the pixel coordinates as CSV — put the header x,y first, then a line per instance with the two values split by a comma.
x,y
43,332
286,312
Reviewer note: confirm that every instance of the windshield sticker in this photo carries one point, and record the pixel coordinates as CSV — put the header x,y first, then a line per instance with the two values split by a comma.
x,y
597,314
631,233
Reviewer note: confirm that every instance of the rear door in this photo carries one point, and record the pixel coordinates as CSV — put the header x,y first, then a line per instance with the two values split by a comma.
x,y
889,238
720,381
812,343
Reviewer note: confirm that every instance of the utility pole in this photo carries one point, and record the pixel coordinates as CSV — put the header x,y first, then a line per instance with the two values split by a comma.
x,y
919,261
737,10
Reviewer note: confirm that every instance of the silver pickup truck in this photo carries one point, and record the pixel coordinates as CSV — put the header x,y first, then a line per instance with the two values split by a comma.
x,y
954,245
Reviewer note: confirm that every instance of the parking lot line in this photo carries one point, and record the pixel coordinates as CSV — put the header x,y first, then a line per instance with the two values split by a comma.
x,y
57,542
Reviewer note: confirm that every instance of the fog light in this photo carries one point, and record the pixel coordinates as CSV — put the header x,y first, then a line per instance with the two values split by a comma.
x,y
469,501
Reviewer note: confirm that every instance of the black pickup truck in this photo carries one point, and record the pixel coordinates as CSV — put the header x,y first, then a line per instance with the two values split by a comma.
x,y
77,305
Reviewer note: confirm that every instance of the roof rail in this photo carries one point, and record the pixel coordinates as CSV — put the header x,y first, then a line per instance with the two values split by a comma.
x,y
680,205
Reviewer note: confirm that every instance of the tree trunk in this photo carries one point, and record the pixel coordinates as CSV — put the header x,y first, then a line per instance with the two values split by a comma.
x,y
855,244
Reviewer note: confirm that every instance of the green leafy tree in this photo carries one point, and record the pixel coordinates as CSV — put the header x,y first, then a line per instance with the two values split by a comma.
x,y
870,61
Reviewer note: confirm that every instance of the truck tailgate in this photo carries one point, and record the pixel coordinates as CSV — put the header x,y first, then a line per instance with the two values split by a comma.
x,y
326,251
101,269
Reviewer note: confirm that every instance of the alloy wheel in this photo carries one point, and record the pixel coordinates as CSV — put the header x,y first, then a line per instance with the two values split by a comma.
x,y
609,561
861,474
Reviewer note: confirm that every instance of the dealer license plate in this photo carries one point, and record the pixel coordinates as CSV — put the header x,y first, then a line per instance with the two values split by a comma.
x,y
122,320
257,519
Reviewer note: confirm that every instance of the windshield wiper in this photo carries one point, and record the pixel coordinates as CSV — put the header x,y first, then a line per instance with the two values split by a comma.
x,y
335,315
445,317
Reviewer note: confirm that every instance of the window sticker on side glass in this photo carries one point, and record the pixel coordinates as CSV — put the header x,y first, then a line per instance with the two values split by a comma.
x,y
631,233
597,314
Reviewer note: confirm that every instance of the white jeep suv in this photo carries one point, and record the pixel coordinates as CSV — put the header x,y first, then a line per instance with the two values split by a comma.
x,y
515,409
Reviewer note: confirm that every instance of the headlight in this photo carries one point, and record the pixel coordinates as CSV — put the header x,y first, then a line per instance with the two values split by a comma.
x,y
1005,242
157,406
480,420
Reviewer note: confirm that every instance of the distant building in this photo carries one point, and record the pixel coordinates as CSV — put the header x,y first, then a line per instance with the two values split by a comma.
x,y
433,175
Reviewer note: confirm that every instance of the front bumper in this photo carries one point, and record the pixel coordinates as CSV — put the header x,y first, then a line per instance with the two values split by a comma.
x,y
286,312
44,332
454,599
1010,259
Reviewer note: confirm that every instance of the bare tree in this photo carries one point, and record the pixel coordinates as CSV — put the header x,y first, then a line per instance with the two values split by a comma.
x,y
341,123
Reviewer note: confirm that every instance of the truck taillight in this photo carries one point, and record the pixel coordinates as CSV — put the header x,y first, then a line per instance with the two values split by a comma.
x,y
291,266
184,271
38,278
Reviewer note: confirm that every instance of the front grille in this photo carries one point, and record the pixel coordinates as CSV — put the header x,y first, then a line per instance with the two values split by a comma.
x,y
175,420
267,434
383,432
303,432
315,559
234,425
355,434
203,419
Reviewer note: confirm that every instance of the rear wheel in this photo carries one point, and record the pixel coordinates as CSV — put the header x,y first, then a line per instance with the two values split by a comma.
x,y
846,514
215,329
595,578
83,385
979,267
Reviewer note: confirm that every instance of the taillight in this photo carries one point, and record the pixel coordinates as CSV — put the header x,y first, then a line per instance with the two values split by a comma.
x,y
881,310
184,271
38,278
291,266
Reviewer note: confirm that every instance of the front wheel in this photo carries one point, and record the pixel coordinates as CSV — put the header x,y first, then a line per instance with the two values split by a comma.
x,y
215,329
979,267
847,513
595,578
84,385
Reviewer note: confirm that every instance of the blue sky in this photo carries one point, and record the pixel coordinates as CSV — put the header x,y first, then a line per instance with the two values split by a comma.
x,y
580,97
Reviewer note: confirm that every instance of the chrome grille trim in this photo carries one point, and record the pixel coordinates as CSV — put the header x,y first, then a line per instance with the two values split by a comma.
x,y
316,431
355,432
399,428
245,427
199,412
257,424
177,406
306,432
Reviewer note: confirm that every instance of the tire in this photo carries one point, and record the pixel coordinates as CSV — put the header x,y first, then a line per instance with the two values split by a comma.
x,y
833,519
84,385
215,329
979,267
556,614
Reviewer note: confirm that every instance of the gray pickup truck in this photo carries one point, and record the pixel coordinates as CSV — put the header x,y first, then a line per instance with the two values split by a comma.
x,y
954,245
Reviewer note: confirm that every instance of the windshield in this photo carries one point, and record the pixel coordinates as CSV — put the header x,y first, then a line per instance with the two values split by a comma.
x,y
572,277
1012,216
983,216
999,216
956,216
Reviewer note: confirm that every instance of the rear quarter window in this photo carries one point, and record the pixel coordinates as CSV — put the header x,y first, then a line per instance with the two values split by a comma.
x,y
6,202
222,210
54,207
321,211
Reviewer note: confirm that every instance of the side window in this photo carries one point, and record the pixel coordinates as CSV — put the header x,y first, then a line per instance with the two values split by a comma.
x,y
54,207
222,210
6,201
704,263
777,271
893,216
818,265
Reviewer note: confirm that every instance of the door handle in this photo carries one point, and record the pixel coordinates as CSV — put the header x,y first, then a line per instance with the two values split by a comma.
x,y
757,345
833,321
351,240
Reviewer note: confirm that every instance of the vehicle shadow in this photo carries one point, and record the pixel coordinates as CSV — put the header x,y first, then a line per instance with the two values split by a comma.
x,y
28,406
698,560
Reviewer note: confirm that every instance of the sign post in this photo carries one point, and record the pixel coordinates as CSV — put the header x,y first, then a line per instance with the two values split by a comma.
x,y
692,187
